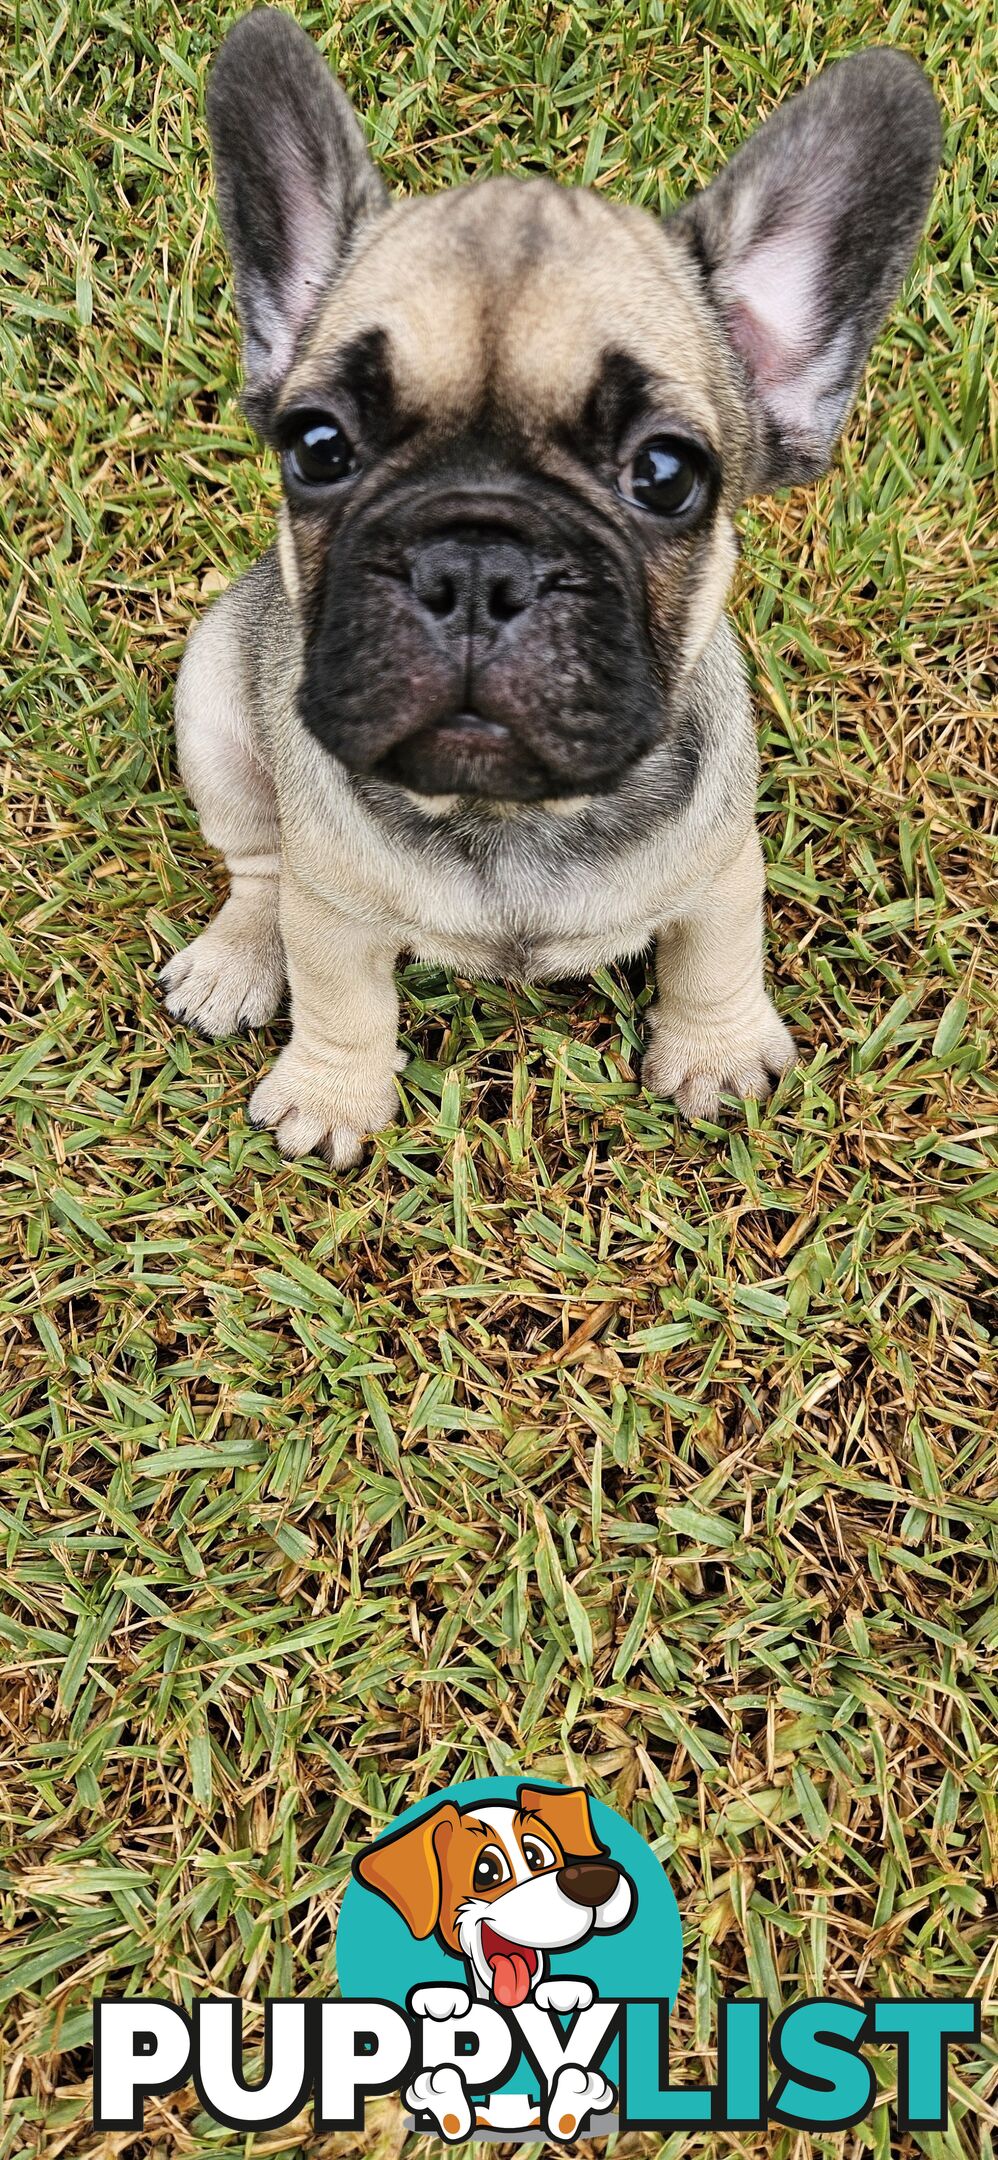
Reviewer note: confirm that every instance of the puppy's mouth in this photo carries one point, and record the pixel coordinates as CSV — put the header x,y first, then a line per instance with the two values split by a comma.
x,y
512,1965
468,731
466,753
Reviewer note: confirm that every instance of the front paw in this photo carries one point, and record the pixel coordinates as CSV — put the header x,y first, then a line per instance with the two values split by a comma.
x,y
576,2094
443,2095
695,1058
227,980
564,1996
440,2002
315,1106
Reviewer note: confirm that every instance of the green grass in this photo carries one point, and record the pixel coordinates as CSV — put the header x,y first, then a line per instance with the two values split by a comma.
x,y
560,1436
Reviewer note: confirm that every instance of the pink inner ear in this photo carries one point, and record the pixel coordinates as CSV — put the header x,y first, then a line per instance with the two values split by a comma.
x,y
804,383
772,288
769,361
279,314
771,296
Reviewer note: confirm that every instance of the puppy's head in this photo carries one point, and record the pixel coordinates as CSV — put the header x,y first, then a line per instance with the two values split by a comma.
x,y
515,420
503,1885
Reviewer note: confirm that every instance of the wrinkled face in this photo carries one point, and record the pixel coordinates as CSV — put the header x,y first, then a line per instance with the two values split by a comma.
x,y
515,418
510,449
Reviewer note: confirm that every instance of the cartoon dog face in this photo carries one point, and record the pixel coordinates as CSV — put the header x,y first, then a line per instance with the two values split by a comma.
x,y
501,1885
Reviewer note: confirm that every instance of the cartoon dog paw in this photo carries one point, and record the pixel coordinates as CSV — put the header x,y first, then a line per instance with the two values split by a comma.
x,y
441,2093
440,2002
576,2094
564,1995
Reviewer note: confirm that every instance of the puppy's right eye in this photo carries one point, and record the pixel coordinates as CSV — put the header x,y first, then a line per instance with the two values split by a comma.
x,y
317,451
490,1870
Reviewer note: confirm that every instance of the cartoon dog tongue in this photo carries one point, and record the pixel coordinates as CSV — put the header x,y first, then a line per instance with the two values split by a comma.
x,y
510,1979
513,1968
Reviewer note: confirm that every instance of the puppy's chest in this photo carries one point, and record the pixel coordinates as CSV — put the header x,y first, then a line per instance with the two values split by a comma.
x,y
497,900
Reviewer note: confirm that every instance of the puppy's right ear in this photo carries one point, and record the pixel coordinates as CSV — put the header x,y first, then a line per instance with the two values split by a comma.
x,y
294,183
407,1869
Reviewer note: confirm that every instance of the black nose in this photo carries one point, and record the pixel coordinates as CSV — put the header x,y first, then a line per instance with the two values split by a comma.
x,y
470,583
588,1882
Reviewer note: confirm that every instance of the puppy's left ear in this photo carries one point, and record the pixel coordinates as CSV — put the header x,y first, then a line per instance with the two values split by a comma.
x,y
804,240
294,182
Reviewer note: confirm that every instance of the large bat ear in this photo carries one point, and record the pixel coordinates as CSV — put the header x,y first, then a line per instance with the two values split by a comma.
x,y
407,1869
567,1814
804,240
294,183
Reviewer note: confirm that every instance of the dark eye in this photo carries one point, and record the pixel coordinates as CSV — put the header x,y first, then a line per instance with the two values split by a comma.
x,y
490,1870
536,1855
666,475
317,451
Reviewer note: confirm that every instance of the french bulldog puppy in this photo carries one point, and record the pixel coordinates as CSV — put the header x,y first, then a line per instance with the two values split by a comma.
x,y
481,702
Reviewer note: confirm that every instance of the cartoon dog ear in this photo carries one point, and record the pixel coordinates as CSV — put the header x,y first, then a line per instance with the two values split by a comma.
x,y
406,1869
803,241
294,182
567,1814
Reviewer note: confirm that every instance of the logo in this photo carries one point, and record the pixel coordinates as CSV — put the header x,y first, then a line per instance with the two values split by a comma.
x,y
505,1913
508,1955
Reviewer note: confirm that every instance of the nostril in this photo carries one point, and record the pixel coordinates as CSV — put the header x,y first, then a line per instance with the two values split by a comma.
x,y
507,597
438,595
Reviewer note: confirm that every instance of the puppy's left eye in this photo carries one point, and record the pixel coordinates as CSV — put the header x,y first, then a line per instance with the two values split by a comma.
x,y
317,450
667,476
537,1855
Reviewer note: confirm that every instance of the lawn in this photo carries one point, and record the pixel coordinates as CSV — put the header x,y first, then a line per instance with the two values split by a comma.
x,y
561,1436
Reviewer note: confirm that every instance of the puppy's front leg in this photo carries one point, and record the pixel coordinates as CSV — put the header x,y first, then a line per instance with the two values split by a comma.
x,y
713,1030
232,976
334,1084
